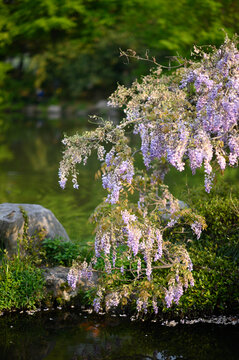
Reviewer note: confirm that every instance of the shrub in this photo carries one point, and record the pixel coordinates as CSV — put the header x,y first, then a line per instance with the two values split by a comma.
x,y
221,211
21,284
59,252
216,285
21,281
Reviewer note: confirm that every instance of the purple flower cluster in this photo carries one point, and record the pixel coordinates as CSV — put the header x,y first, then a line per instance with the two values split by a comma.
x,y
145,306
216,80
234,148
127,217
103,242
192,135
97,305
145,142
85,271
169,296
63,179
108,267
155,306
118,171
133,232
159,251
197,228
174,293
72,278
151,245
142,304
112,300
139,304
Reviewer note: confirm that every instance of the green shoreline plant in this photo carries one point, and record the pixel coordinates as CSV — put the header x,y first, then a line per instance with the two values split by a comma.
x,y
190,115
58,252
22,285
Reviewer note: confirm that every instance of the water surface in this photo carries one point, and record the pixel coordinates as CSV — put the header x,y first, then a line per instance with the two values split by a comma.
x,y
74,336
30,151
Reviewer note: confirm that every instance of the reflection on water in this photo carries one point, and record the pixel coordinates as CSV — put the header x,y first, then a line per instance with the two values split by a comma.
x,y
30,155
71,336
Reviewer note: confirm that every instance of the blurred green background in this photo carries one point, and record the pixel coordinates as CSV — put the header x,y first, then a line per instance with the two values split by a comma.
x,y
69,49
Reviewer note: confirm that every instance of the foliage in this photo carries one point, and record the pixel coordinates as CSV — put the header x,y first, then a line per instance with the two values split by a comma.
x,y
21,284
190,115
221,209
222,218
4,69
216,287
215,256
21,281
30,247
53,44
59,252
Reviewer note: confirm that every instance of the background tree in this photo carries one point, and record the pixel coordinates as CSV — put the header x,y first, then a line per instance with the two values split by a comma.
x,y
71,47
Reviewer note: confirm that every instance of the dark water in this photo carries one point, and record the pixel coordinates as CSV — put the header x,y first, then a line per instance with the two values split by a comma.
x,y
30,152
70,336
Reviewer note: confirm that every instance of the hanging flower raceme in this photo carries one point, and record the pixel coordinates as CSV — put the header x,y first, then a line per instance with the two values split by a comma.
x,y
120,172
216,83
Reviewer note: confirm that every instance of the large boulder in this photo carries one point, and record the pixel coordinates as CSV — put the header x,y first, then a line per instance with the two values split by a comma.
x,y
38,217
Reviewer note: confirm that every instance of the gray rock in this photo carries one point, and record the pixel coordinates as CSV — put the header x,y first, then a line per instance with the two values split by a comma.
x,y
54,109
30,110
57,286
54,112
166,215
39,218
182,205
56,283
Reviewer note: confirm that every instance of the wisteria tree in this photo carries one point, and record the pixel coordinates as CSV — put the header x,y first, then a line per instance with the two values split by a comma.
x,y
188,116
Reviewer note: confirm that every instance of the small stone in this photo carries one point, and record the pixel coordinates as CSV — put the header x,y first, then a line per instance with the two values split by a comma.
x,y
172,323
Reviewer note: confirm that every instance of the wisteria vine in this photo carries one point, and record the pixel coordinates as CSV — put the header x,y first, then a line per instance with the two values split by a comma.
x,y
189,116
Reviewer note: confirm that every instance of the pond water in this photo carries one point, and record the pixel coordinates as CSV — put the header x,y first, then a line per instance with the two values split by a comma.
x,y
74,336
30,152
